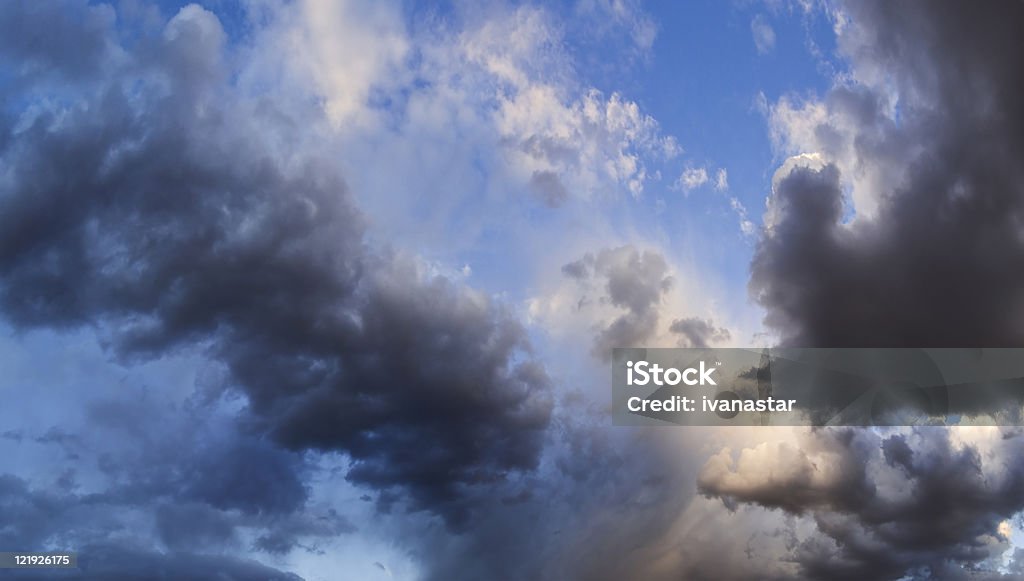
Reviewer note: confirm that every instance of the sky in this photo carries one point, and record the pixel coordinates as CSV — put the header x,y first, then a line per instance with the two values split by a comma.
x,y
328,289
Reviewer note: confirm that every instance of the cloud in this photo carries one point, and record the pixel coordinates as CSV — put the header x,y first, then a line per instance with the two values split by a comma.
x,y
928,267
350,49
512,71
627,296
763,33
164,483
697,332
171,209
571,522
918,501
175,204
721,180
486,118
620,296
587,143
607,18
74,42
692,178
746,226
628,279
891,224
549,188
187,201
125,562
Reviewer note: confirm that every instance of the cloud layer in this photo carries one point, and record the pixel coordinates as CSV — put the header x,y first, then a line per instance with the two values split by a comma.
x,y
927,143
921,502
167,208
896,223
185,191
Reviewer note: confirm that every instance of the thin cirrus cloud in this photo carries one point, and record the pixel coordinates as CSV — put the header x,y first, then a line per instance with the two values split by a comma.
x,y
763,33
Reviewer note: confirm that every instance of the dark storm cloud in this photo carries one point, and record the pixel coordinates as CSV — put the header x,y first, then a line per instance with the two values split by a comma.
x,y
169,210
940,264
886,508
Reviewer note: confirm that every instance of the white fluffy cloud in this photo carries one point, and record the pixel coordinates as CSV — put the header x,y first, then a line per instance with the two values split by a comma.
x,y
839,130
692,178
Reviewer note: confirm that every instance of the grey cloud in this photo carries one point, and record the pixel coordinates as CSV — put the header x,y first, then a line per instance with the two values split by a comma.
x,y
897,452
303,529
205,482
483,415
626,330
637,282
172,455
169,210
633,280
246,474
591,515
193,526
939,263
28,515
48,37
935,509
549,188
580,269
697,332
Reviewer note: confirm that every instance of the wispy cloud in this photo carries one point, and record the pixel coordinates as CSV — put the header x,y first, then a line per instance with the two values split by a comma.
x,y
763,33
721,180
692,178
